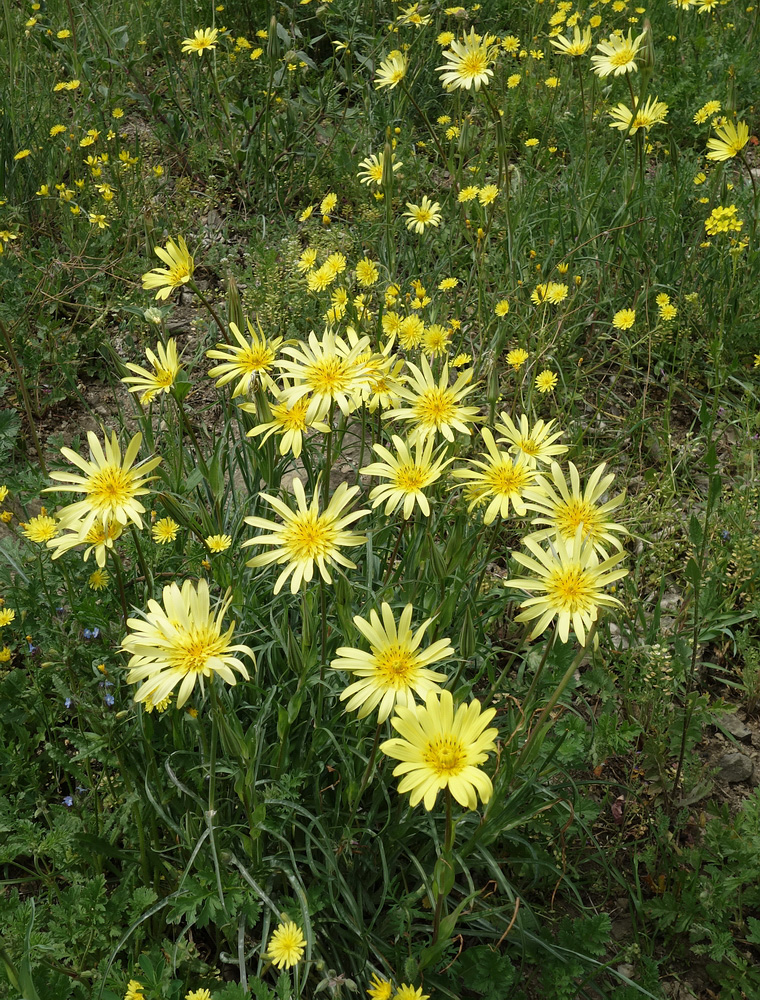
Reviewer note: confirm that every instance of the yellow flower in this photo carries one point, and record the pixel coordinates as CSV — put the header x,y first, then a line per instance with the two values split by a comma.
x,y
499,479
329,371
468,194
22,154
427,213
307,260
488,194
467,63
178,272
99,537
286,945
111,487
306,536
379,988
395,668
5,654
618,55
653,112
407,992
723,220
711,108
134,991
516,358
731,140
570,581
328,203
289,421
367,272
440,749
203,38
7,615
501,309
218,543
98,220
435,406
40,529
579,45
407,476
546,381
391,72
567,509
164,531
448,283
248,361
98,580
197,994
371,168
624,319
161,379
3,493
513,81
181,643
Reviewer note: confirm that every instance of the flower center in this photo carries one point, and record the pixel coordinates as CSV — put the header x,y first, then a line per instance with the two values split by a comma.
x,y
473,65
506,480
578,514
193,649
110,486
396,666
256,359
445,756
307,537
529,446
571,589
164,377
623,57
410,478
328,376
434,407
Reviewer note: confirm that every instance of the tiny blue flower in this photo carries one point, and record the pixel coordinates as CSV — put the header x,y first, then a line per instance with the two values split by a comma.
x,y
68,801
67,703
109,699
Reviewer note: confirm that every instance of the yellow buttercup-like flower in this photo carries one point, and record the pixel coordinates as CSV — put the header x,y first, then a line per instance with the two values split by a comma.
x,y
40,529
440,749
395,668
467,63
179,269
181,643
306,536
111,486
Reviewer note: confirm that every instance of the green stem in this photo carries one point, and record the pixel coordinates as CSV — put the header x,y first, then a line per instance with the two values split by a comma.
x,y
448,844
214,315
120,583
328,459
497,683
24,395
366,776
147,575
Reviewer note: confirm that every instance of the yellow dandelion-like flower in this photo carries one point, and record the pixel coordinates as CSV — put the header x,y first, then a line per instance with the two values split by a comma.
x,y
440,749
203,39
435,406
468,63
488,194
290,421
407,992
500,479
40,529
516,358
111,486
566,508
306,536
618,55
98,580
395,668
197,994
391,72
448,283
7,615
181,643
624,319
328,371
248,360
179,269
99,537
307,260
408,475
653,112
427,213
546,381
161,379
367,272
164,531
134,990
218,543
501,308
577,46
570,581
535,444
379,988
371,169
286,945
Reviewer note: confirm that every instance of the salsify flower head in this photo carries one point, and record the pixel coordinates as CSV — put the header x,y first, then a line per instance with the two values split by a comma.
x,y
440,749
248,360
328,371
652,112
468,63
178,271
427,213
570,582
100,538
731,140
371,168
566,508
536,444
435,406
181,643
111,486
618,55
286,945
407,474
391,72
290,422
577,46
306,536
499,479
395,668
203,38
165,370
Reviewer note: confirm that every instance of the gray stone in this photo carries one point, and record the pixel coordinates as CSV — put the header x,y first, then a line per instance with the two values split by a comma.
x,y
734,767
734,725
